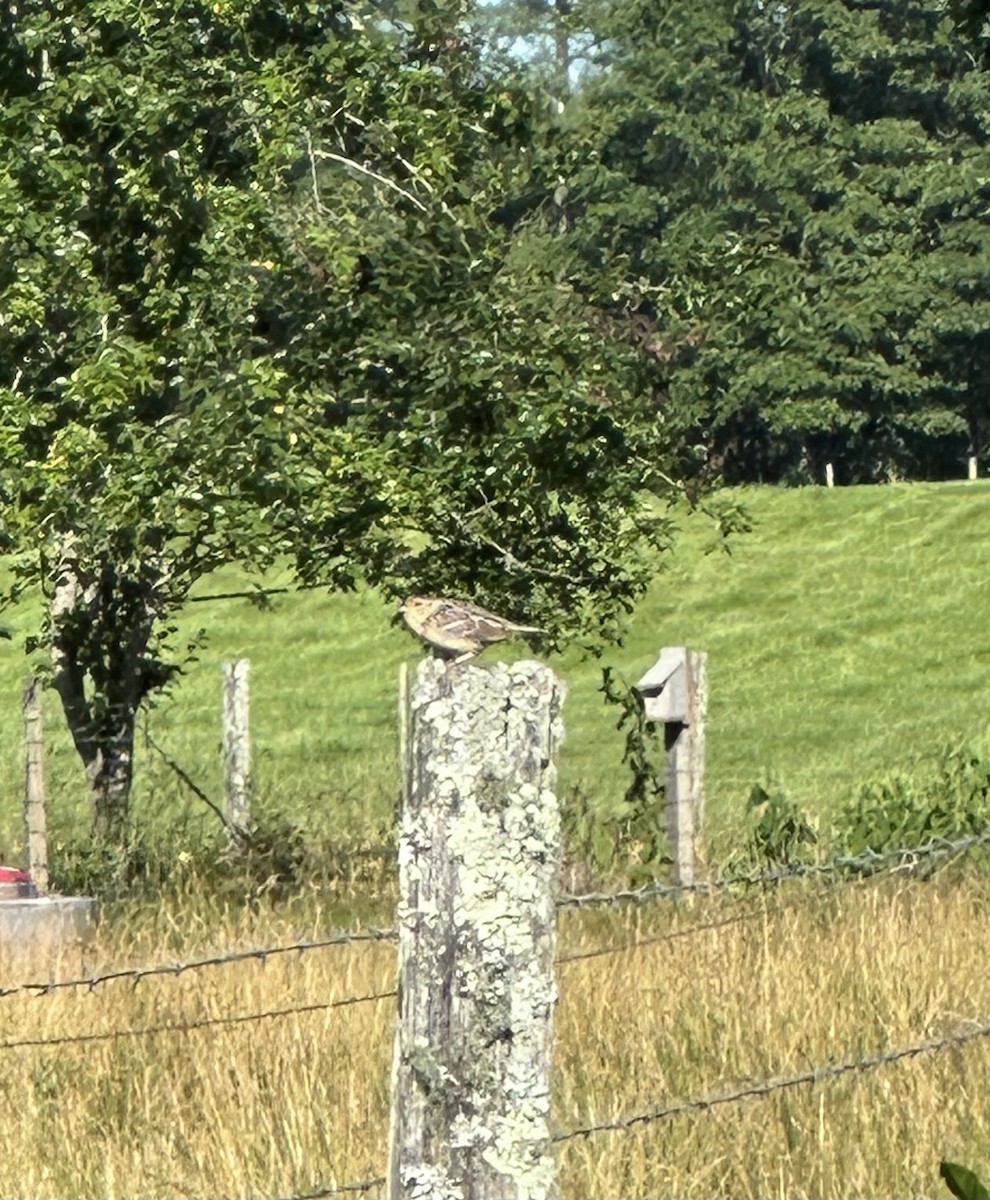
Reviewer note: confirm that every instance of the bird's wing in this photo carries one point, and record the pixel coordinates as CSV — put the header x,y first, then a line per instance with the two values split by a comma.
x,y
491,628
467,622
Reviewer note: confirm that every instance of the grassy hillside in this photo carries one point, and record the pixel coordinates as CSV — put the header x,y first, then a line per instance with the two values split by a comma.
x,y
847,635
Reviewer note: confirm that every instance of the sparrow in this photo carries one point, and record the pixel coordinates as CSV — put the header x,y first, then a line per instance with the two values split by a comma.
x,y
457,628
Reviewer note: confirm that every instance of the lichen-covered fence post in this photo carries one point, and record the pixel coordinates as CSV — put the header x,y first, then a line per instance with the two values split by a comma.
x,y
478,859
237,745
35,817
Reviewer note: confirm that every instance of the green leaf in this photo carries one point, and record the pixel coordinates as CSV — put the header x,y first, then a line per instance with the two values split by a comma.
x,y
962,1182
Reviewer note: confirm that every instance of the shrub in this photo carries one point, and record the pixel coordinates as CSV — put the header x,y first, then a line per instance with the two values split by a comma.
x,y
949,799
782,835
278,859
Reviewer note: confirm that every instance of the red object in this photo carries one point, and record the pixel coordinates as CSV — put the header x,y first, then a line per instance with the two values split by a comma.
x,y
14,875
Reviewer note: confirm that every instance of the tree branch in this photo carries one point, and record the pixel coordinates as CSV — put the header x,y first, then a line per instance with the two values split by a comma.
x,y
383,179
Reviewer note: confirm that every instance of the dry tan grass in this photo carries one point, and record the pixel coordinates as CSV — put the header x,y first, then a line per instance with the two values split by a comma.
x,y
823,978
263,1108
279,1105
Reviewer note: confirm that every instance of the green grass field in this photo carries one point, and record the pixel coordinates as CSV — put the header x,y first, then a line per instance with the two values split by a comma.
x,y
846,636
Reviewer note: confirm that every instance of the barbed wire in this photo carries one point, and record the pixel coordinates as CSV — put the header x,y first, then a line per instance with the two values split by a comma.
x,y
322,1190
894,860
659,938
261,954
767,1087
694,928
111,1035
135,975
343,1189
875,861
257,594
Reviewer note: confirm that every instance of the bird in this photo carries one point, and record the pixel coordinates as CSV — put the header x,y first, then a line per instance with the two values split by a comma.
x,y
456,628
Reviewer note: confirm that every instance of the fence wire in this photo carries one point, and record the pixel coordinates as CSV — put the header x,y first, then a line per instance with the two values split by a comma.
x,y
721,922
135,975
659,938
260,954
767,1087
871,862
112,1035
864,866
321,1190
344,1189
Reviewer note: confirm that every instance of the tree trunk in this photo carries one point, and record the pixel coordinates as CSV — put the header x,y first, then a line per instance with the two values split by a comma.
x,y
975,430
101,632
562,43
110,774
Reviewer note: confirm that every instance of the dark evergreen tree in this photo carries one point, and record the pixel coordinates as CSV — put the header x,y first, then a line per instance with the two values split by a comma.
x,y
797,196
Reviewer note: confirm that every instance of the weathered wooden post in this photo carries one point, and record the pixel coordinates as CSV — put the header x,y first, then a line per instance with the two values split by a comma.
x,y
478,858
675,691
829,475
972,465
35,818
37,930
237,745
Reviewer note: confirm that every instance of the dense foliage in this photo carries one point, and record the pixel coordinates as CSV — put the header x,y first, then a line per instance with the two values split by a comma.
x,y
801,192
260,297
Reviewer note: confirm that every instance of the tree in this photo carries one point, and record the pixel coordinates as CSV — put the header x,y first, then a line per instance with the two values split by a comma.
x,y
516,454
552,37
141,436
258,299
799,188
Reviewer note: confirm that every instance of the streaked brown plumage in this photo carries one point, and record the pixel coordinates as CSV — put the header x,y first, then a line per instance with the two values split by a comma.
x,y
457,628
